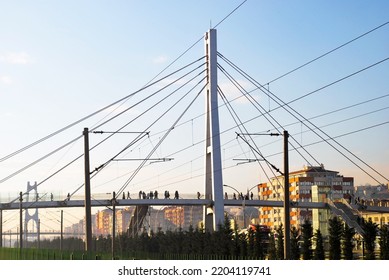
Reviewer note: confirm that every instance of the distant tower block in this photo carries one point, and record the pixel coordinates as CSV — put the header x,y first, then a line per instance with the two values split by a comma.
x,y
32,195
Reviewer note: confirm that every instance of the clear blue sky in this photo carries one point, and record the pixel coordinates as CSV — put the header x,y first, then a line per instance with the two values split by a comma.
x,y
62,60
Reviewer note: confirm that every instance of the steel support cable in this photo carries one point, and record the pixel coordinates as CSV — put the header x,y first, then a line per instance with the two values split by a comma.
x,y
159,143
227,16
351,118
235,116
341,109
327,53
79,137
263,112
94,113
341,135
38,160
141,135
286,105
335,82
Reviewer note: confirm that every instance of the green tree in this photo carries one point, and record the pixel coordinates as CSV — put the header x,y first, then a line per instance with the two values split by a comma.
x,y
271,249
335,229
280,243
347,244
369,236
318,253
307,234
251,243
384,242
243,244
294,246
258,243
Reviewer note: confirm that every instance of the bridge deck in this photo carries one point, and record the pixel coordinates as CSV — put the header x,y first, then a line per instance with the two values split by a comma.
x,y
174,202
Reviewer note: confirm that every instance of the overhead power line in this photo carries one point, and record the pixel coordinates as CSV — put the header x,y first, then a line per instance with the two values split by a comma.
x,y
327,53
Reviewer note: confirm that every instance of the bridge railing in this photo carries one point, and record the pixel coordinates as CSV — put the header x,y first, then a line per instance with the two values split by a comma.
x,y
53,196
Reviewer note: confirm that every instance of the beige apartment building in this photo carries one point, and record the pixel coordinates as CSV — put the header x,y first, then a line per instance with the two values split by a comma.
x,y
311,184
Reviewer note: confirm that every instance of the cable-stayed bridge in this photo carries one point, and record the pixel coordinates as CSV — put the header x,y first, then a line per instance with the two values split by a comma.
x,y
201,79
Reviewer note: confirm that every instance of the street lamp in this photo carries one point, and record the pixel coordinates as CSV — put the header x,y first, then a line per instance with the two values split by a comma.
x,y
228,186
243,204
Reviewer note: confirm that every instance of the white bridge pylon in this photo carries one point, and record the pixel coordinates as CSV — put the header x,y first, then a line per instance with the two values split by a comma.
x,y
31,189
214,213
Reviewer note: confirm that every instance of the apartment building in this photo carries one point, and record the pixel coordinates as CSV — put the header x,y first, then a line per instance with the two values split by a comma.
x,y
311,184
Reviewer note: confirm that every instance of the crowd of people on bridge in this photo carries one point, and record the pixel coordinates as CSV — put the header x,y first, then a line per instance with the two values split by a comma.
x,y
153,195
240,196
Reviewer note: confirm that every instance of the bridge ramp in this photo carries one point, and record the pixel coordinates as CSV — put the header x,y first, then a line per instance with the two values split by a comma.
x,y
136,222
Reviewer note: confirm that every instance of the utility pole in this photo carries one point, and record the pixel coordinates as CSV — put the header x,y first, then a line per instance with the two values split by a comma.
x,y
88,212
113,223
1,228
38,229
61,241
20,223
286,199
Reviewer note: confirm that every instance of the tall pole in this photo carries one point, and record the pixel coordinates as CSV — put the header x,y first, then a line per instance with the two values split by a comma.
x,y
213,166
20,223
113,224
39,233
286,199
61,241
1,228
88,212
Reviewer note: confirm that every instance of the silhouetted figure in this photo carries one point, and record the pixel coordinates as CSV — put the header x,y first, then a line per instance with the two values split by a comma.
x,y
144,196
151,195
252,196
124,195
51,197
198,195
225,195
155,195
234,196
68,197
176,195
140,194
128,195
